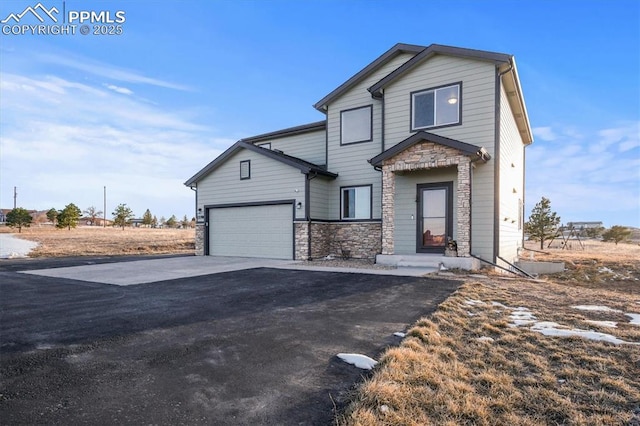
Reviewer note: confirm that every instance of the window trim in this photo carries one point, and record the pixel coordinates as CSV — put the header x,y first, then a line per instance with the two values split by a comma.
x,y
248,176
433,89
342,188
370,106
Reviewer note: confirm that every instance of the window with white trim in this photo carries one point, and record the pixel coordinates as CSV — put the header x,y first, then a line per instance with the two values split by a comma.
x,y
436,107
355,202
245,169
355,125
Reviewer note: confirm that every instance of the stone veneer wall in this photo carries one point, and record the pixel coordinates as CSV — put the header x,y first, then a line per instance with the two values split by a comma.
x,y
200,228
362,239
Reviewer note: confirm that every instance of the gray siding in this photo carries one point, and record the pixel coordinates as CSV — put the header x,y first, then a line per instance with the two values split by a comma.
x,y
406,205
270,180
350,161
511,182
478,124
310,147
319,190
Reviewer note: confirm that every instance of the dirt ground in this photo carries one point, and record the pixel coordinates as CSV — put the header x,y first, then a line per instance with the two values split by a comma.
x,y
98,241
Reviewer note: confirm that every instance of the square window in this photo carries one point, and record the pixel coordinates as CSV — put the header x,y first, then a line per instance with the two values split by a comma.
x,y
356,202
436,107
355,125
245,169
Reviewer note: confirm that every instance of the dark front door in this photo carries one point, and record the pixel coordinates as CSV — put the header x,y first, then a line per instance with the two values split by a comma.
x,y
435,219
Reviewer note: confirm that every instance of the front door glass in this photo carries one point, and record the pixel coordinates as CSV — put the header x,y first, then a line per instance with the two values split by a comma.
x,y
434,221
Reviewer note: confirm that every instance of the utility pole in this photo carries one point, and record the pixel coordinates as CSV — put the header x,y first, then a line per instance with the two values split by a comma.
x,y
15,196
104,210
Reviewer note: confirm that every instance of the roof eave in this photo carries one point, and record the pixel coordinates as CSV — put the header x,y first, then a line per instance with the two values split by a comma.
x,y
518,104
428,52
290,131
479,153
397,49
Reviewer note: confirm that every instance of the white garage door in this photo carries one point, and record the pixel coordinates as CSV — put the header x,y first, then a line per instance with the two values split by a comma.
x,y
253,231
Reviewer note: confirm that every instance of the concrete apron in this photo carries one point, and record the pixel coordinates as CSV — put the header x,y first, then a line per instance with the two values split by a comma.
x,y
154,270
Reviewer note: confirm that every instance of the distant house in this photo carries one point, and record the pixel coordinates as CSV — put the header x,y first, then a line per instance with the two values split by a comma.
x,y
422,147
584,225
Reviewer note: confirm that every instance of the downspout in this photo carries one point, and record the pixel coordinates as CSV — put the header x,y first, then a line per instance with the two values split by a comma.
x,y
496,178
307,209
380,97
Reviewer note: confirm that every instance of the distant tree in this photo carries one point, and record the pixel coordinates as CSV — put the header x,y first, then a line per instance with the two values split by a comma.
x,y
154,221
69,216
52,215
19,218
594,232
616,234
147,219
172,221
192,224
184,223
163,221
93,213
122,215
543,223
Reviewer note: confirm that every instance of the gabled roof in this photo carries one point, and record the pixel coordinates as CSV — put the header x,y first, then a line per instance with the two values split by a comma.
x,y
396,50
304,166
434,49
479,153
290,131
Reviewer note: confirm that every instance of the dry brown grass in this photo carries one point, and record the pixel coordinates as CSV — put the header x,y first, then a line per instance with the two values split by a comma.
x,y
98,241
442,374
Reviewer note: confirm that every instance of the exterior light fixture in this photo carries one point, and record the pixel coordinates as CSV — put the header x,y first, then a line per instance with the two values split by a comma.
x,y
299,205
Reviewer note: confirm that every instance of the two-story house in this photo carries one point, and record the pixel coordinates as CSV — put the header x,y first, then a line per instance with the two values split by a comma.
x,y
423,146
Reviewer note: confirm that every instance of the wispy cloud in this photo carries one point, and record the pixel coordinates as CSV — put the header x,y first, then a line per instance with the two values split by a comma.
x,y
544,133
107,71
63,140
118,89
587,175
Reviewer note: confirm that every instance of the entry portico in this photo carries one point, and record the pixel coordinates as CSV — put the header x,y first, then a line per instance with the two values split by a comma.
x,y
438,170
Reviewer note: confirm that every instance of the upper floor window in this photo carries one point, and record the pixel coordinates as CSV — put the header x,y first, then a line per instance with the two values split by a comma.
x,y
355,125
440,106
356,202
266,145
245,169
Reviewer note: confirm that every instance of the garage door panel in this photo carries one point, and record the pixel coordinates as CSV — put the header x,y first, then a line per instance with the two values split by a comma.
x,y
252,231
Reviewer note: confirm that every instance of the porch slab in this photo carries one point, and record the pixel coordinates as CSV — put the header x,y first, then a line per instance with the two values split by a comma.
x,y
428,261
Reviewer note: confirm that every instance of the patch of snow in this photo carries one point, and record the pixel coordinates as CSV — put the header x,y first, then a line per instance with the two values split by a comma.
x,y
484,339
383,408
471,314
598,308
604,269
553,329
635,319
360,361
500,305
399,334
12,247
472,302
609,324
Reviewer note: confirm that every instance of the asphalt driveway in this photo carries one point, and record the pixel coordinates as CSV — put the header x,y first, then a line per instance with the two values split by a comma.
x,y
254,346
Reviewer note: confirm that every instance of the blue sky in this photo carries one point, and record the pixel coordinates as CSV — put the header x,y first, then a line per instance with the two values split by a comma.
x,y
143,111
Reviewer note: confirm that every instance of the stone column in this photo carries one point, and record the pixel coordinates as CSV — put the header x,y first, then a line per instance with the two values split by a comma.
x,y
200,231
388,201
464,207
